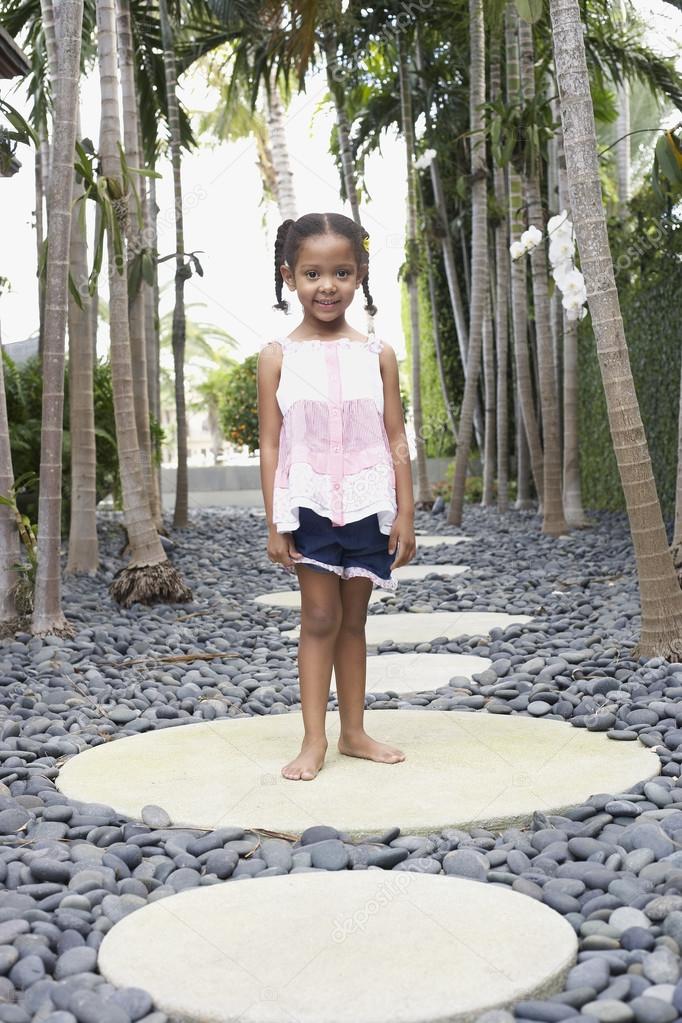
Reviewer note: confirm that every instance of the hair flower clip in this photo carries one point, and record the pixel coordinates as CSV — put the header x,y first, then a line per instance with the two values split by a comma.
x,y
365,244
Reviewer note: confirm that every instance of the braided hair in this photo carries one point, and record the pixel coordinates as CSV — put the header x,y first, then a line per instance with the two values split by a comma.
x,y
291,233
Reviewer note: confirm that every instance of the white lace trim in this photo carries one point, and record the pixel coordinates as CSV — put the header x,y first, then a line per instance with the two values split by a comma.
x,y
369,491
347,573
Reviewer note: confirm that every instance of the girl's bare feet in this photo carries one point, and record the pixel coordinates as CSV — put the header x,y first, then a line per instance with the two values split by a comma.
x,y
307,765
362,745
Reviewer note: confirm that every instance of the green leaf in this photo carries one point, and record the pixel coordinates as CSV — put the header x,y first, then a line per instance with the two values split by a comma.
x,y
668,162
148,268
74,291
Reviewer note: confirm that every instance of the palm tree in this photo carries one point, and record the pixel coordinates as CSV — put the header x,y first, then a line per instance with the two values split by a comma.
x,y
479,253
9,537
553,521
48,616
501,302
489,389
83,546
280,152
136,317
622,133
180,517
150,576
519,298
424,497
573,503
661,598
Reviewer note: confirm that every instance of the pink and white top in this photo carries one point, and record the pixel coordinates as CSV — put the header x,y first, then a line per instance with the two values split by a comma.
x,y
334,453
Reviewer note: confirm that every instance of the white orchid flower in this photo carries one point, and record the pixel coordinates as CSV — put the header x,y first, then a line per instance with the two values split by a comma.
x,y
531,238
573,283
559,225
561,249
516,250
426,158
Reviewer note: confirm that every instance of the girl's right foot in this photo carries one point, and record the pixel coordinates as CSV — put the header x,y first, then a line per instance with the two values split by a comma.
x,y
307,765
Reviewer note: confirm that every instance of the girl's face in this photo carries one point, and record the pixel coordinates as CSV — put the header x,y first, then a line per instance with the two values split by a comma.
x,y
325,278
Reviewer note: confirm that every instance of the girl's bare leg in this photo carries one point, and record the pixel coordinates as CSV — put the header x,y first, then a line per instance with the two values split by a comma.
x,y
320,621
350,670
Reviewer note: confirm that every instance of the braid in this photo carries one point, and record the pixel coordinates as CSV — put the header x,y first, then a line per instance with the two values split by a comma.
x,y
369,306
282,232
363,249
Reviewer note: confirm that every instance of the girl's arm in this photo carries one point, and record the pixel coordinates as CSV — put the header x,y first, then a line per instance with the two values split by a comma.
x,y
269,421
402,530
395,430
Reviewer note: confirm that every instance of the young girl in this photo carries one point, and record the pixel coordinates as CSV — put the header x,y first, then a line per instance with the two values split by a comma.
x,y
335,473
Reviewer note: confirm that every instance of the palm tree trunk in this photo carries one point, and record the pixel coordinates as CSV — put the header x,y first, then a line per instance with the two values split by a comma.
x,y
47,20
573,502
479,253
284,178
180,516
150,577
459,313
342,128
676,546
9,537
152,321
48,616
623,132
488,485
40,183
447,401
501,246
519,297
424,497
553,521
136,314
83,548
661,598
556,310
523,502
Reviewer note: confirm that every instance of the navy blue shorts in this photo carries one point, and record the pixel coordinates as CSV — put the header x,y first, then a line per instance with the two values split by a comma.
x,y
358,548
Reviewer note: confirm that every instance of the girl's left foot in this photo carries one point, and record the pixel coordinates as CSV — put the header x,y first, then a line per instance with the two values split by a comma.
x,y
369,749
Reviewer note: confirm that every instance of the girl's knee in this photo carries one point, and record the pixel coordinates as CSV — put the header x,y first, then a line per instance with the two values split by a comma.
x,y
320,619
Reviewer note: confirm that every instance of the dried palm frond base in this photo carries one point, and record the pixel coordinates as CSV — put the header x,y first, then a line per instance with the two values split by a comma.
x,y
149,584
11,626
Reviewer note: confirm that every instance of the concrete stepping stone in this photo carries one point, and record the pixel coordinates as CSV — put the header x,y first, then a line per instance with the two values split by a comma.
x,y
415,627
415,673
422,947
461,770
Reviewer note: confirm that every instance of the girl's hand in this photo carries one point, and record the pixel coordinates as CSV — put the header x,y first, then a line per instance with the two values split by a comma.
x,y
402,532
281,548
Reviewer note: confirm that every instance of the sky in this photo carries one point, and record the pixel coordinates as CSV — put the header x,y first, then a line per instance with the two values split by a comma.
x,y
224,213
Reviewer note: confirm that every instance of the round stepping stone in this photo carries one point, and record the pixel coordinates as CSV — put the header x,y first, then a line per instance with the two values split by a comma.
x,y
414,627
461,770
426,947
414,673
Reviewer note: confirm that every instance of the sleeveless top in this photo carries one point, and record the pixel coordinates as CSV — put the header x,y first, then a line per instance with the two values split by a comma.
x,y
334,453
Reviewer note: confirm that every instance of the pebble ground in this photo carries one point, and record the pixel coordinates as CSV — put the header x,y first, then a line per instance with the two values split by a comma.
x,y
612,866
